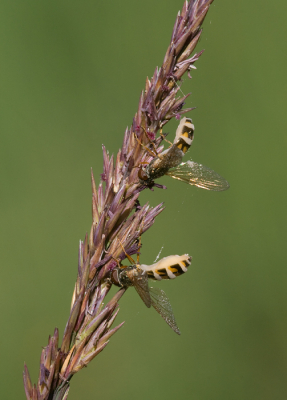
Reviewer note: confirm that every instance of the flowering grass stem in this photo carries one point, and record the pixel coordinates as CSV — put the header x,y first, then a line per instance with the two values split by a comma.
x,y
118,218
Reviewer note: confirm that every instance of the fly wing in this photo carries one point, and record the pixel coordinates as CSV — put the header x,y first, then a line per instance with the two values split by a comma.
x,y
162,305
198,175
140,282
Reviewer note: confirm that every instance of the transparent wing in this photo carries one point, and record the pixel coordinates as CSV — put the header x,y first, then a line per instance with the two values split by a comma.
x,y
198,175
140,282
162,305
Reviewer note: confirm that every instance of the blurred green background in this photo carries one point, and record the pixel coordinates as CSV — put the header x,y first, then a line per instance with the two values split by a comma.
x,y
71,76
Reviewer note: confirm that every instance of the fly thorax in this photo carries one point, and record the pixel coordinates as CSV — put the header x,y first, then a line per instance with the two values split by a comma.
x,y
132,272
125,276
175,156
157,167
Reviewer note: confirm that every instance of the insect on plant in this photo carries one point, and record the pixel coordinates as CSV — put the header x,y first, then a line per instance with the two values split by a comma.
x,y
168,162
137,275
117,213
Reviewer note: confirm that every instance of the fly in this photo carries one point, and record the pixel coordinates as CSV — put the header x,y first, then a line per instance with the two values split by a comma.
x,y
169,163
137,275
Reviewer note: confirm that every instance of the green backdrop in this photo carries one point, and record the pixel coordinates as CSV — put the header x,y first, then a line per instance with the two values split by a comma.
x,y
71,76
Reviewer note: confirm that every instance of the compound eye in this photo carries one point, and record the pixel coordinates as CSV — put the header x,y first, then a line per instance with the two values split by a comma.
x,y
142,175
115,277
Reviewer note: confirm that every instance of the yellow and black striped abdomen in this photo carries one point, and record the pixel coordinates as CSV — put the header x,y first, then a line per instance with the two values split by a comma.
x,y
168,268
182,145
184,135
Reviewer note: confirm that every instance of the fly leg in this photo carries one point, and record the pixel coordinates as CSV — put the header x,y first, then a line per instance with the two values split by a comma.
x,y
151,142
127,255
154,154
163,137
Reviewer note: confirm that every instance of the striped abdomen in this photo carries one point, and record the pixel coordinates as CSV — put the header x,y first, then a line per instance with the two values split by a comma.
x,y
168,267
170,157
184,135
